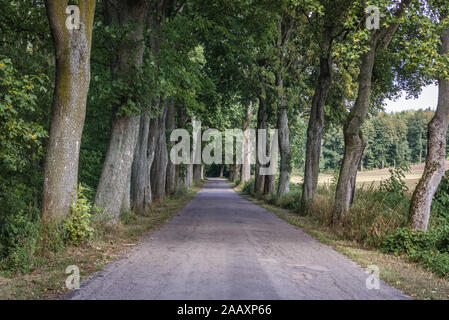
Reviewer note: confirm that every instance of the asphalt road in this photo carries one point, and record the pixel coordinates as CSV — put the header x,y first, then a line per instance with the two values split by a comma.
x,y
221,246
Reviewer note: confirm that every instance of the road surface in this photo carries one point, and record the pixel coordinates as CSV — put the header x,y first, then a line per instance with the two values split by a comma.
x,y
221,246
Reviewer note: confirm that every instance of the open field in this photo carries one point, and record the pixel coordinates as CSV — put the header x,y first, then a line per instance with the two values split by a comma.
x,y
366,178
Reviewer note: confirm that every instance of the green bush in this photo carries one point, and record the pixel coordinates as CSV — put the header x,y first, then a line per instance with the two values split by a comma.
x,y
406,241
19,239
434,261
290,201
76,228
441,199
248,187
430,249
19,227
272,199
394,188
442,239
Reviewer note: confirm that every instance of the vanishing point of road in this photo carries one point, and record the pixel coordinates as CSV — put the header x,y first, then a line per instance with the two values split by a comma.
x,y
221,246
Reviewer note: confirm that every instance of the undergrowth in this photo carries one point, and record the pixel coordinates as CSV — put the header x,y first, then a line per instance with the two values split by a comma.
x,y
26,243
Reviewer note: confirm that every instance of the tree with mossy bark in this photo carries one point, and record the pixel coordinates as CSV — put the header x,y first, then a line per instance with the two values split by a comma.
x,y
437,131
72,51
115,176
378,39
328,26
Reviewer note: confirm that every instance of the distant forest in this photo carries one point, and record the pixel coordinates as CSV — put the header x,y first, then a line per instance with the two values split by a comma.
x,y
392,139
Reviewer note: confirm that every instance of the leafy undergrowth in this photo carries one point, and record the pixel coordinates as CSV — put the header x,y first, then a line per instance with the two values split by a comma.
x,y
46,278
375,232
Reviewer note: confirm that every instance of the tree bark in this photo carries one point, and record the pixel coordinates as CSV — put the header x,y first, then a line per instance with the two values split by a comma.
x,y
189,176
170,185
285,28
147,151
151,154
354,141
353,136
436,153
222,170
284,142
140,192
269,185
234,172
117,166
72,51
197,174
314,134
181,170
261,124
246,165
159,167
178,178
270,181
125,129
231,172
126,202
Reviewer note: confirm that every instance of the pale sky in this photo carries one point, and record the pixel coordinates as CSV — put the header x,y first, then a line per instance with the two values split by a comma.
x,y
428,98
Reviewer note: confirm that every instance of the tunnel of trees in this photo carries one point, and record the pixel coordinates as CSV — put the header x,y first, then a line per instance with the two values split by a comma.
x,y
92,107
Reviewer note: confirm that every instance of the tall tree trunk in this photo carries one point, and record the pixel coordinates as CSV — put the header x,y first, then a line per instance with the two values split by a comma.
x,y
146,154
353,136
159,167
178,177
436,153
246,165
140,194
284,141
197,174
270,180
234,174
126,202
261,124
170,185
125,129
117,166
181,170
72,50
222,170
285,28
269,185
314,134
231,172
151,154
189,176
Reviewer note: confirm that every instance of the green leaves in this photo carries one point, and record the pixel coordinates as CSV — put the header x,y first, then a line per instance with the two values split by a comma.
x,y
76,228
18,98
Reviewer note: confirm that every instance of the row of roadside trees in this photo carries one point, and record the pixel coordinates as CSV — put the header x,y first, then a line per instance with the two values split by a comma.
x,y
135,166
136,69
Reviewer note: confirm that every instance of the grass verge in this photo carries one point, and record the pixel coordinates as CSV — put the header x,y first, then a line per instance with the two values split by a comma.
x,y
48,281
409,277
